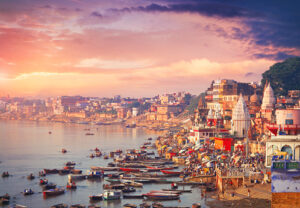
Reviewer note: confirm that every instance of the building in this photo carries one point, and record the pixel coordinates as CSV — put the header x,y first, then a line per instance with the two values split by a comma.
x,y
240,122
268,102
285,141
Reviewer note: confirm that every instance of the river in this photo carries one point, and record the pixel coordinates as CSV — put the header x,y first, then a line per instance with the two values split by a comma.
x,y
27,147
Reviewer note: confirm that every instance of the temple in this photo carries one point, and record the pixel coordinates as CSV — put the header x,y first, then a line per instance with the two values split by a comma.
x,y
240,122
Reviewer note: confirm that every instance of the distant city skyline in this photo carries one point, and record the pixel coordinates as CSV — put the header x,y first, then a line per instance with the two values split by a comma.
x,y
140,48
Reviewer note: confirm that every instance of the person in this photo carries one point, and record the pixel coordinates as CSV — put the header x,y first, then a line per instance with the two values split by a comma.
x,y
248,192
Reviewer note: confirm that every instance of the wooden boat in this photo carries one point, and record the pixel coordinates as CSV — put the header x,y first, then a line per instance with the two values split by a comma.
x,y
5,175
111,195
143,181
132,183
113,180
128,190
127,196
60,206
50,171
92,155
18,206
157,205
71,185
105,168
96,197
77,206
4,201
54,192
70,163
179,191
167,172
114,186
43,181
94,206
49,186
161,196
30,176
64,172
145,205
76,177
28,192
76,171
130,169
69,167
165,192
129,206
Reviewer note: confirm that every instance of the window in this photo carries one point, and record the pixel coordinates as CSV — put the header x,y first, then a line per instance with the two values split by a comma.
x,y
289,122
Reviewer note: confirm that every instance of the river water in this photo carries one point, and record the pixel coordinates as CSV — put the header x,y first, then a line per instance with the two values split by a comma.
x,y
27,147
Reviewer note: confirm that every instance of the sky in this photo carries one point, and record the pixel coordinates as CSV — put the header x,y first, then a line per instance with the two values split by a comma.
x,y
140,47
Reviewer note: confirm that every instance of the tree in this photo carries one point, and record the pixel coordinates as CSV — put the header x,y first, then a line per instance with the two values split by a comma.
x,y
283,76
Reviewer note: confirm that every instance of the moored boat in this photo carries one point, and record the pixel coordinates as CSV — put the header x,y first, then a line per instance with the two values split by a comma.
x,y
50,171
111,195
167,172
49,186
70,163
64,172
127,196
128,190
54,192
76,171
76,177
161,196
96,197
77,206
130,169
60,206
129,206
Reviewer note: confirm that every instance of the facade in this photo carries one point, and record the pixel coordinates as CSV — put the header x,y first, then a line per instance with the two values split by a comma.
x,y
240,122
285,141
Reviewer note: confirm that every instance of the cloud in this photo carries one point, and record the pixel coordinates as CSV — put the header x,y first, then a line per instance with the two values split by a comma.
x,y
112,64
211,9
275,56
96,14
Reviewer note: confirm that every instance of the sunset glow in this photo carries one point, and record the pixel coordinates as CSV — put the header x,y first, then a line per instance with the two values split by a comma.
x,y
137,48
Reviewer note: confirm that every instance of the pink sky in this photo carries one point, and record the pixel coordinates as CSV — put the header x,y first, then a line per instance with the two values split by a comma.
x,y
97,48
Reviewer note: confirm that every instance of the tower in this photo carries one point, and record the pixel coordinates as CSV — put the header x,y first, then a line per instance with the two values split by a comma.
x,y
268,102
240,122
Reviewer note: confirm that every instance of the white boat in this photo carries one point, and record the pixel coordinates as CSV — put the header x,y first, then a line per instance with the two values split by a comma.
x,y
112,195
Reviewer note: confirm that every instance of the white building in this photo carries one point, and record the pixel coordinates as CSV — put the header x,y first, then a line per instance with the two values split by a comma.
x,y
240,122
